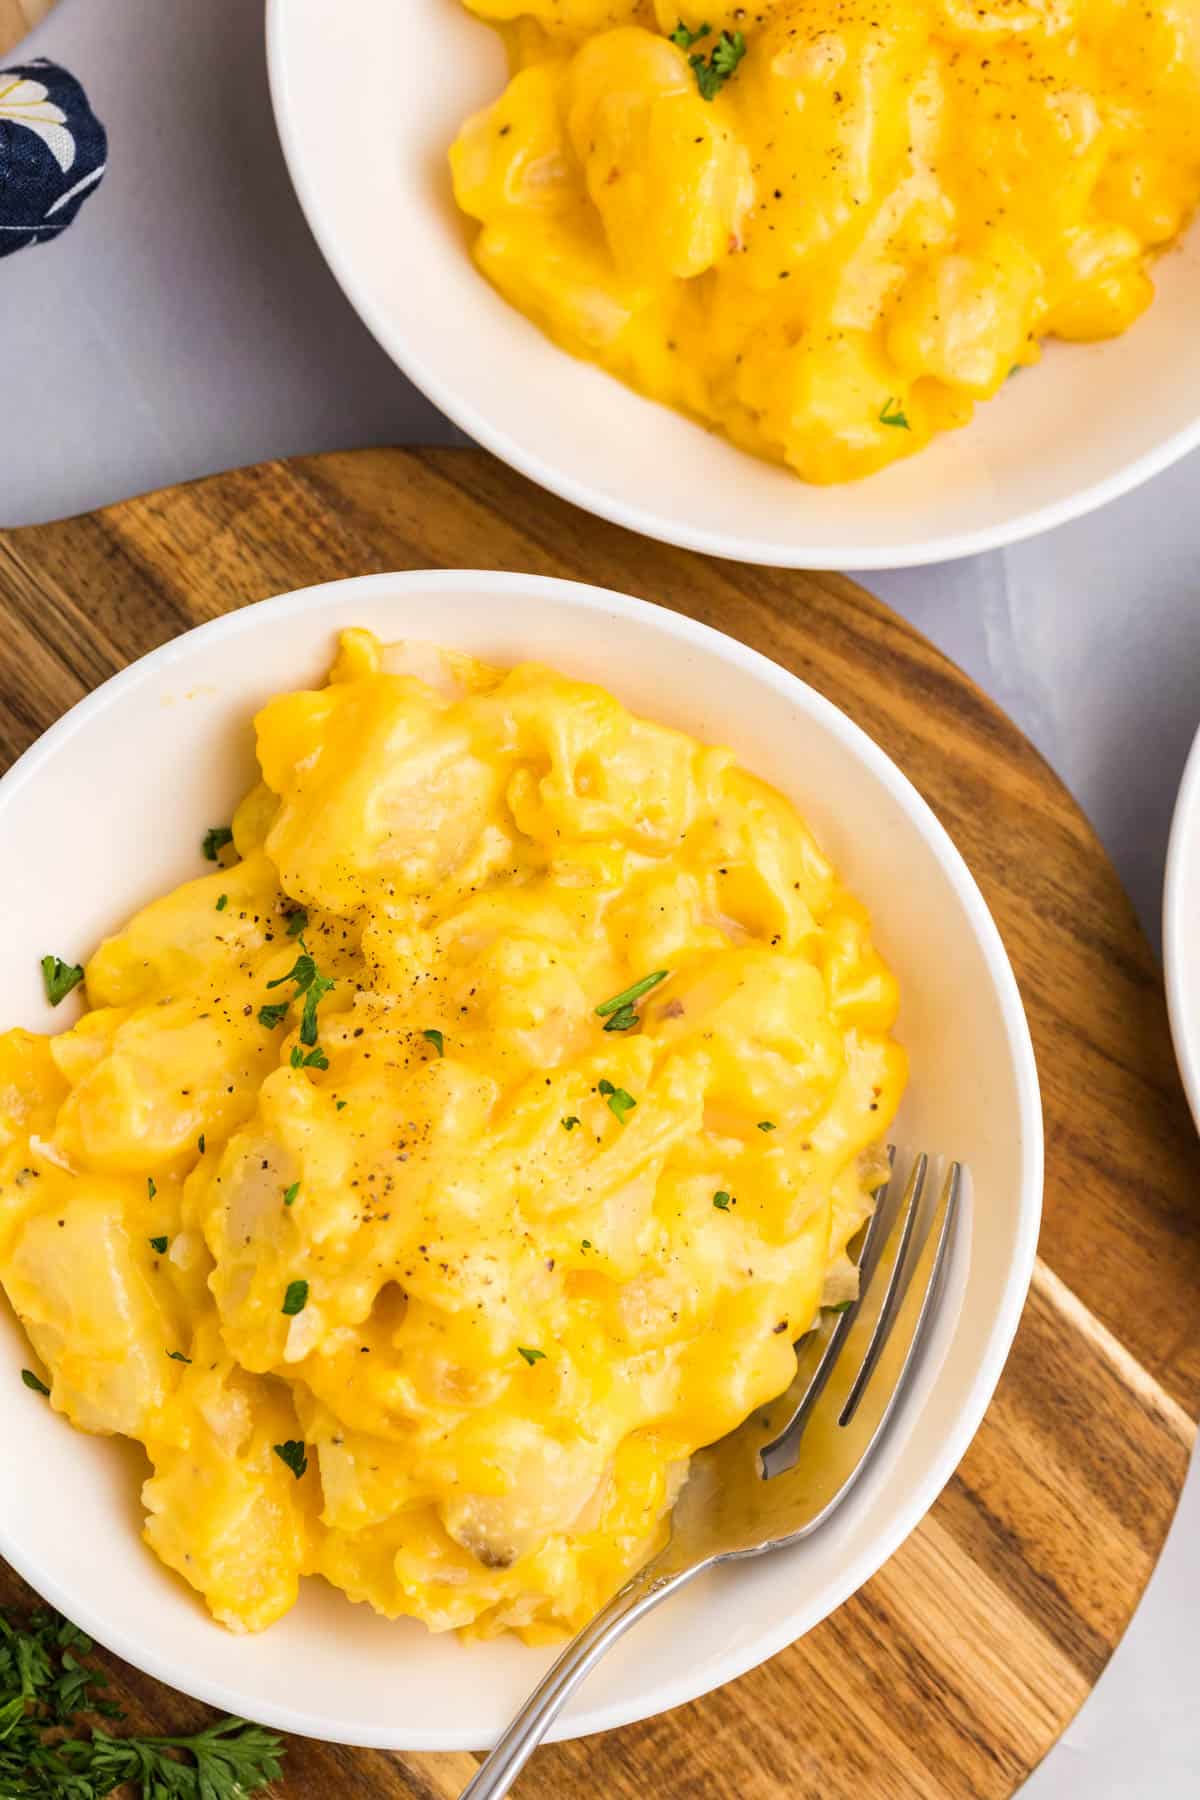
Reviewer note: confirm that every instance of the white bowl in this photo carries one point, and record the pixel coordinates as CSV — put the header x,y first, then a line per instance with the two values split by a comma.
x,y
107,810
1181,929
369,95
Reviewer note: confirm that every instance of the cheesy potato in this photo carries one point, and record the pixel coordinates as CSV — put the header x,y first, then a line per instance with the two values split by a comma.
x,y
426,1182
828,227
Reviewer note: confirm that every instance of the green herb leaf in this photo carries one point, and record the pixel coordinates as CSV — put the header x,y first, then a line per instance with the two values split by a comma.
x,y
178,1356
685,38
200,1143
58,978
297,921
222,902
296,1298
317,990
302,972
215,840
619,1102
586,1244
437,1040
315,1059
623,1020
32,1381
150,1187
632,993
531,1356
160,1244
274,1015
713,71
722,1201
891,414
766,1125
292,1454
47,1752
338,1105
289,1194
569,1124
841,1307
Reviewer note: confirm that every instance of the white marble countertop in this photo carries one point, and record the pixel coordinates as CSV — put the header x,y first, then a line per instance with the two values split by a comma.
x,y
186,323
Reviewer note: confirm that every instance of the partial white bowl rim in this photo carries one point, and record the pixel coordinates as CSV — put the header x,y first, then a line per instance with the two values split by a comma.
x,y
679,1687
1182,1011
774,552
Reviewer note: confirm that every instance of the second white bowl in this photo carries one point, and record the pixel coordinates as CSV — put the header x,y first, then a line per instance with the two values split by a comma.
x,y
366,129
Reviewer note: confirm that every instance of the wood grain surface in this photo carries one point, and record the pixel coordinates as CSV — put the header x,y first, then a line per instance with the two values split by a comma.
x,y
953,1671
17,17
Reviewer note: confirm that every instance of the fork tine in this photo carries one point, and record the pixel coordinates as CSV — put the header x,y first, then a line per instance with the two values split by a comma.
x,y
896,1288
901,1268
820,1351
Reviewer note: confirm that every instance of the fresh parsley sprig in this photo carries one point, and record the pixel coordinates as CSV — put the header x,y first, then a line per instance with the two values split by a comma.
x,y
711,71
313,986
44,1687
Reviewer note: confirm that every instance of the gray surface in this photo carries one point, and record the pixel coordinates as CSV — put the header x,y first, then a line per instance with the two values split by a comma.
x,y
186,323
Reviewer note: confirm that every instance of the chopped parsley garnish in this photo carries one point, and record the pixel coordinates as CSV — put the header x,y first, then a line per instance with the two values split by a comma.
x,y
296,1298
301,972
436,1039
619,1102
314,987
318,987
722,1201
570,1123
338,1105
685,38
178,1356
289,1194
59,978
842,1306
150,1187
714,70
586,1244
200,1143
766,1125
292,1455
891,413
622,1004
531,1356
160,1244
215,840
315,1059
52,1749
297,922
31,1381
222,902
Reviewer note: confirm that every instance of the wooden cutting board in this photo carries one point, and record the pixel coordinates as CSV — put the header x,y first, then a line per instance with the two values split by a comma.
x,y
952,1672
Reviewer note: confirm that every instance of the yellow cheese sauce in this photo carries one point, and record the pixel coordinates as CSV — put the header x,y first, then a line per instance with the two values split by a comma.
x,y
878,215
415,1254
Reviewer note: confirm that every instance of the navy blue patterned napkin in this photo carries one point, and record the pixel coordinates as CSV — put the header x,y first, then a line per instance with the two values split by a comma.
x,y
53,152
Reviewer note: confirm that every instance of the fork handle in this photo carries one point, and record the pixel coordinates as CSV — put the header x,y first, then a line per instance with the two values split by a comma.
x,y
639,1596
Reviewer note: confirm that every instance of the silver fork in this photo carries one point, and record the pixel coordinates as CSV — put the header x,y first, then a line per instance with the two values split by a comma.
x,y
753,1491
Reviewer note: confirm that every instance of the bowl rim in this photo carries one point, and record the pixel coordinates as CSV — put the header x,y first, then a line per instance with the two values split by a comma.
x,y
680,1685
770,551
1185,1027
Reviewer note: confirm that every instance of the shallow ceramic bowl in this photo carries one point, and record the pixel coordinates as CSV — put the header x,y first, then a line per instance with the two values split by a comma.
x,y
108,809
369,94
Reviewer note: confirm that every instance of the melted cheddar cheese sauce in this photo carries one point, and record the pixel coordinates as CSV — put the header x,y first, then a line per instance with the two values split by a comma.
x,y
875,220
426,1281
